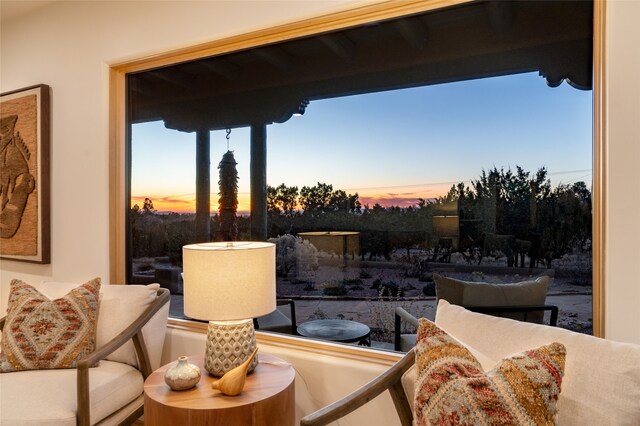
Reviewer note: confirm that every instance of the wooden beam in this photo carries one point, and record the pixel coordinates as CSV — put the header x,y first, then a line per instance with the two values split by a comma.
x,y
414,31
500,14
258,177
223,68
553,38
340,45
203,186
276,57
174,78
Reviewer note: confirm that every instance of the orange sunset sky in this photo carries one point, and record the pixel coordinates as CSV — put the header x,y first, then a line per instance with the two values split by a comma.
x,y
393,196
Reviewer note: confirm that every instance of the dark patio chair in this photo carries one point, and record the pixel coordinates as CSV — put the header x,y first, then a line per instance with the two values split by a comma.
x,y
278,322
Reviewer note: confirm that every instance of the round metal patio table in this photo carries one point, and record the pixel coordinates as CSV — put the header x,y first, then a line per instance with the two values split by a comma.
x,y
336,330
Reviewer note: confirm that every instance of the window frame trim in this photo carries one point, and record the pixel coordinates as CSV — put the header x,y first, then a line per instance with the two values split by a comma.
x,y
308,27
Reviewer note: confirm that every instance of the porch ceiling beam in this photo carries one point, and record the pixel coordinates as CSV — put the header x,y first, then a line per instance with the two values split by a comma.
x,y
500,14
414,31
340,45
276,57
222,68
266,84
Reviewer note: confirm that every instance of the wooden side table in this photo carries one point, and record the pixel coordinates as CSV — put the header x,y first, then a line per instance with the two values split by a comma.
x,y
267,398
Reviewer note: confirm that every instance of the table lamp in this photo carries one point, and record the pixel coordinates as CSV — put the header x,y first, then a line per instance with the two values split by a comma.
x,y
229,284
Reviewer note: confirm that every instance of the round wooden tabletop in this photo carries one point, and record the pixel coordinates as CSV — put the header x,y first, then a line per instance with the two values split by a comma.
x,y
267,398
336,330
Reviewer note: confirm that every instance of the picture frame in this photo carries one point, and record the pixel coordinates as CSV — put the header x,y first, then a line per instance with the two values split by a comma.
x,y
25,233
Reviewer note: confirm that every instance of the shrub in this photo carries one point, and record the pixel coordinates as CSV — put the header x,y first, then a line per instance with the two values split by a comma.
x,y
382,319
352,281
425,278
390,289
376,283
364,274
477,276
429,289
295,257
334,289
318,314
414,266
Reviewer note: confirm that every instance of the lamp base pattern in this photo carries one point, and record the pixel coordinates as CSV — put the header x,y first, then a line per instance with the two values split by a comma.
x,y
229,344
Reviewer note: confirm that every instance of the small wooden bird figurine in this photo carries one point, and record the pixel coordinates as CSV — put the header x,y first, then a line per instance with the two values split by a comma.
x,y
232,382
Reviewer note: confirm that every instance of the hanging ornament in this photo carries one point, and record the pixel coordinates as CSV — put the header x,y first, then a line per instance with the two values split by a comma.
x,y
228,201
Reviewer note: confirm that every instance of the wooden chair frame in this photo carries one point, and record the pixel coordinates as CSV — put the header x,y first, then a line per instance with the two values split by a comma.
x,y
133,332
389,380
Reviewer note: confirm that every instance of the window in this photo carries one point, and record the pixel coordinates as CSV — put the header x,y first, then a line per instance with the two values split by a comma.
x,y
388,109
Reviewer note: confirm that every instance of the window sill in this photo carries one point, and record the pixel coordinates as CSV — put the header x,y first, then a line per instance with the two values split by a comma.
x,y
298,343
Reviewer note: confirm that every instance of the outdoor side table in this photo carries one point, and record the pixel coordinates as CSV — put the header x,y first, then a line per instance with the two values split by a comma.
x,y
267,398
344,331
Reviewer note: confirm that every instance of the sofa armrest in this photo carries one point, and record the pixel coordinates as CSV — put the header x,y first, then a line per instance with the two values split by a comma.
x,y
134,331
389,380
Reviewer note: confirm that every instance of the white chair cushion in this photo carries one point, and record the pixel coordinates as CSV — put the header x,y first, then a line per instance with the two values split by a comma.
x,y
601,384
48,397
470,293
119,306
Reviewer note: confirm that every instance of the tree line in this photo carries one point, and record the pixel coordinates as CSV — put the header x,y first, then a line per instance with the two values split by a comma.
x,y
512,213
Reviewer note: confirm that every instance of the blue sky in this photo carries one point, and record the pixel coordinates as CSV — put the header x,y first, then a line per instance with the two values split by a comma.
x,y
393,147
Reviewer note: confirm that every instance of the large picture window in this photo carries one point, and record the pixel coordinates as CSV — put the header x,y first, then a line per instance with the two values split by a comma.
x,y
453,143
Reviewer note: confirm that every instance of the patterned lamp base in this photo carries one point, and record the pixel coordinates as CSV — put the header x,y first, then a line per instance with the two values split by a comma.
x,y
229,344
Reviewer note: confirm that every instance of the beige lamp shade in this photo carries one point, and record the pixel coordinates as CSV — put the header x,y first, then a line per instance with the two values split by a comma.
x,y
230,280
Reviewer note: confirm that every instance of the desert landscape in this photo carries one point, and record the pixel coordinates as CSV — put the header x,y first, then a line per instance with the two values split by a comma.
x,y
368,292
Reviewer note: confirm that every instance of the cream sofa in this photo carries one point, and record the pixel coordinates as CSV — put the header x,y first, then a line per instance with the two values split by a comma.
x,y
601,384
112,392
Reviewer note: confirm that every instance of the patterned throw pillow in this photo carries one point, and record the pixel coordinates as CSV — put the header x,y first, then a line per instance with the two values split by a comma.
x,y
41,334
452,388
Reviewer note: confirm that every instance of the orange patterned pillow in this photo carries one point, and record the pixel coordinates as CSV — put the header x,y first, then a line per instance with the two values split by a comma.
x,y
452,388
40,333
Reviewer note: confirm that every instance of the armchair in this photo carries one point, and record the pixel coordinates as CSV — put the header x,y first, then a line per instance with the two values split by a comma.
x,y
129,338
390,380
595,370
522,301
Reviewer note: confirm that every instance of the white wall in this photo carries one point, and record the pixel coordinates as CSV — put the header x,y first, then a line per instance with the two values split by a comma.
x,y
69,46
622,293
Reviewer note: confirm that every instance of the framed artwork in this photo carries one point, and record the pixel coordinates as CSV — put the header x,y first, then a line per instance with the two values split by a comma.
x,y
24,174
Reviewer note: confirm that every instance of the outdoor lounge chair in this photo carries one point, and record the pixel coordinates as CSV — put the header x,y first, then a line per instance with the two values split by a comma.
x,y
403,342
278,322
522,301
